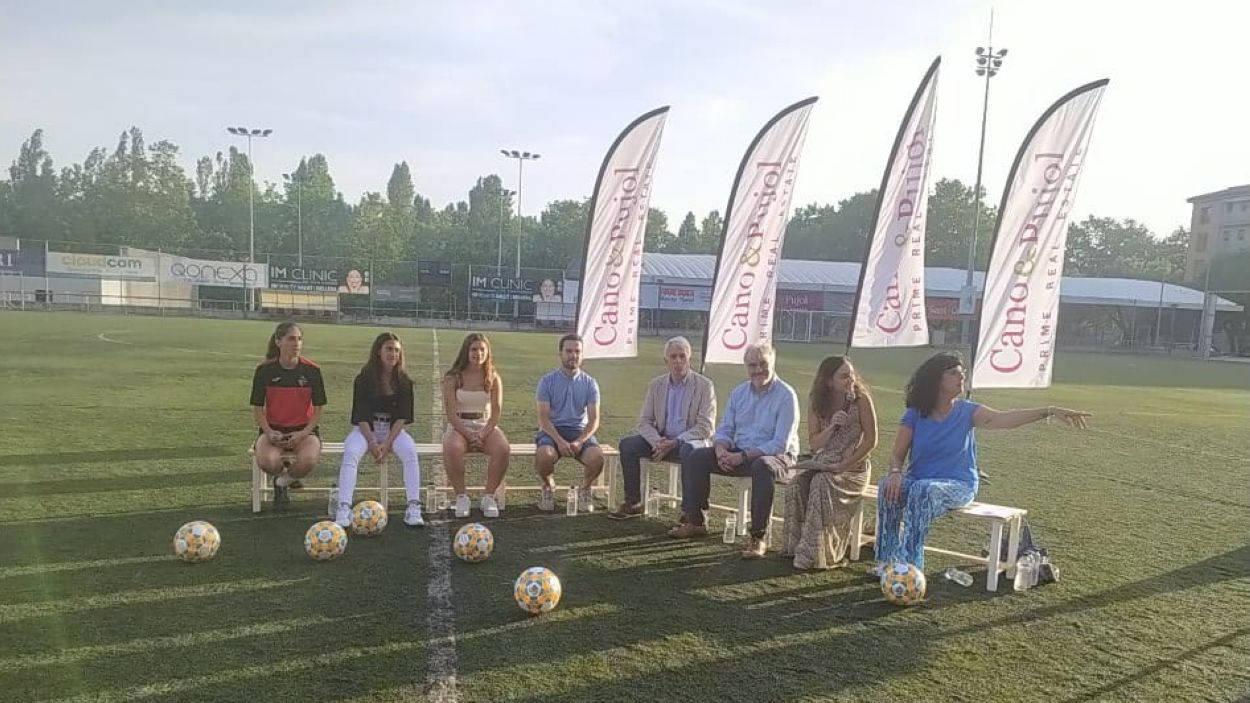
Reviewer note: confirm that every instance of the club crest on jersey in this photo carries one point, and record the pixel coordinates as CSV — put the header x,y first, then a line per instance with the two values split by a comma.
x,y
302,381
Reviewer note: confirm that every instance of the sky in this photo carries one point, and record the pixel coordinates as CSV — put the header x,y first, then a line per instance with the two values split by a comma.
x,y
444,86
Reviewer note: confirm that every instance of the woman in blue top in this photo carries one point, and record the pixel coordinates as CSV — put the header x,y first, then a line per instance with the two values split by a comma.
x,y
938,430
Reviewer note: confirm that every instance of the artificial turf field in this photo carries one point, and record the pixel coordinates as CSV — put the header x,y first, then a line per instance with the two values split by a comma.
x,y
116,430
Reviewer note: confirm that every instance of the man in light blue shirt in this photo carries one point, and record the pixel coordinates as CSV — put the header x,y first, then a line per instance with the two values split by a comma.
x,y
758,437
568,416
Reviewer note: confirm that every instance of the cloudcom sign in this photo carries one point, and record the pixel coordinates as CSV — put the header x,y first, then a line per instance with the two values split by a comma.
x,y
69,265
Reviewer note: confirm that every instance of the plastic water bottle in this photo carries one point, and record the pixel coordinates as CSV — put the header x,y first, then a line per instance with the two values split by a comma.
x,y
332,505
962,578
731,530
1026,573
570,502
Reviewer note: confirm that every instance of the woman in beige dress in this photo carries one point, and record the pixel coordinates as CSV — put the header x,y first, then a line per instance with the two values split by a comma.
x,y
822,498
473,401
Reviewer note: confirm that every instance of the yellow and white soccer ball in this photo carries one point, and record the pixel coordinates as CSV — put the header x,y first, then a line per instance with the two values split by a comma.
x,y
368,518
325,540
473,542
197,541
537,590
902,583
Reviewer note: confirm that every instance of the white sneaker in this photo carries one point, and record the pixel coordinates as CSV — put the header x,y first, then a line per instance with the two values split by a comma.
x,y
343,516
462,505
585,500
547,498
489,507
412,516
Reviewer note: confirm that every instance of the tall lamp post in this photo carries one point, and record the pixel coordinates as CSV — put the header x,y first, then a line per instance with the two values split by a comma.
x,y
298,179
521,157
504,194
989,62
249,134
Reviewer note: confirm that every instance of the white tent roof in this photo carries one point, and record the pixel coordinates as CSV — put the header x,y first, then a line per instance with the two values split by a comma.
x,y
843,277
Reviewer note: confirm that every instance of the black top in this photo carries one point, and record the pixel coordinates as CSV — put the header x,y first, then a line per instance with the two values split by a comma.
x,y
368,405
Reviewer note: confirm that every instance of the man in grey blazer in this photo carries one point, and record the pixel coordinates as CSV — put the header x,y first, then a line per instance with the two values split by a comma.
x,y
678,415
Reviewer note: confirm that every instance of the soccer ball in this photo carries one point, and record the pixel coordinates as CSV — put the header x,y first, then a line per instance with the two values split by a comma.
x,y
537,590
473,542
902,584
196,541
368,518
325,541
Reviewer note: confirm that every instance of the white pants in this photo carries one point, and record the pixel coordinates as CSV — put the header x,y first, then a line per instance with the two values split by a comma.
x,y
355,447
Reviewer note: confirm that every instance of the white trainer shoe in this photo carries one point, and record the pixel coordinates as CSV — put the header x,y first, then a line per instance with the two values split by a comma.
x,y
489,507
462,505
412,516
547,498
343,516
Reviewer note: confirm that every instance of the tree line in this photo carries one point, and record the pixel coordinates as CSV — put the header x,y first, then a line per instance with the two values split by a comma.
x,y
137,194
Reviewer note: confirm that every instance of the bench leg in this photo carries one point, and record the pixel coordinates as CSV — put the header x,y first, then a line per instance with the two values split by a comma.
x,y
1013,546
385,482
992,564
857,532
611,471
258,480
744,504
674,485
646,487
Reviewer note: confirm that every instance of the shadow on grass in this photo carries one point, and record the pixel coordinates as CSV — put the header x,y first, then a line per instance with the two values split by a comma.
x,y
141,482
1230,566
662,597
100,456
261,617
1102,692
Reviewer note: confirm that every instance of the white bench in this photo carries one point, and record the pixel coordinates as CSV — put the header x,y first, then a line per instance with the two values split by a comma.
x,y
262,486
672,496
999,517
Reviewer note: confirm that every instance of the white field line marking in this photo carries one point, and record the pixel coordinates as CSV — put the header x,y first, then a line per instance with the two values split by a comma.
x,y
440,678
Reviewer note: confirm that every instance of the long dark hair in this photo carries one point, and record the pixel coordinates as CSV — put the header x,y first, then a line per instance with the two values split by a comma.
x,y
282,330
922,389
373,368
462,360
820,398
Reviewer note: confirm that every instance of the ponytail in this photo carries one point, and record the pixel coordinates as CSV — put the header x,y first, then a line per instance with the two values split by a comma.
x,y
283,328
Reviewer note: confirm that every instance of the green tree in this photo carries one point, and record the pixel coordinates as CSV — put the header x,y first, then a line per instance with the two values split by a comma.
x,y
710,233
657,236
1104,246
688,234
28,207
949,226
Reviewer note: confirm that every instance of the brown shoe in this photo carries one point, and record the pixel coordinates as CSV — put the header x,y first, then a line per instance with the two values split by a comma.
x,y
627,511
755,549
687,530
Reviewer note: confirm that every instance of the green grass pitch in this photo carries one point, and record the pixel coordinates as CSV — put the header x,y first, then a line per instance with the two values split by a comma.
x,y
116,430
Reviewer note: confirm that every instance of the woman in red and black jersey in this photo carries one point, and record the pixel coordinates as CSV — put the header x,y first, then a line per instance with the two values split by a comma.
x,y
288,395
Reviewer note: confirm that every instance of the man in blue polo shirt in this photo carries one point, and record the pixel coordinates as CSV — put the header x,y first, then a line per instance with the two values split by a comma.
x,y
757,437
568,416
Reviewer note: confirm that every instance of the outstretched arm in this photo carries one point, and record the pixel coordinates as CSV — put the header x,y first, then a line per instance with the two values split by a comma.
x,y
988,418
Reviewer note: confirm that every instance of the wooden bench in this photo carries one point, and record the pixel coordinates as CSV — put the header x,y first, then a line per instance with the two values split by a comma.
x,y
262,486
672,494
999,517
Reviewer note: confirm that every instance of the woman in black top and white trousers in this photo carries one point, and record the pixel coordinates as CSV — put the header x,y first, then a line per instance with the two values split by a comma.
x,y
382,404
